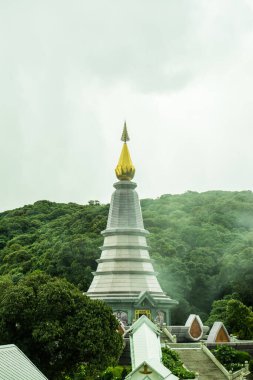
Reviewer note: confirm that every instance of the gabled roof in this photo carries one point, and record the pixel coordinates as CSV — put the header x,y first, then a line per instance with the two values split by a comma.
x,y
15,365
218,327
145,348
145,296
156,367
195,327
144,341
147,321
191,319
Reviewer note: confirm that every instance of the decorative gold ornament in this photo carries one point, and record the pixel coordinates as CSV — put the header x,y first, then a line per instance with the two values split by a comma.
x,y
125,169
146,370
125,136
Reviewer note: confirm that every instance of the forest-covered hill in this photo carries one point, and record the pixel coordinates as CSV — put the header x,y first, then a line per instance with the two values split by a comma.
x,y
202,244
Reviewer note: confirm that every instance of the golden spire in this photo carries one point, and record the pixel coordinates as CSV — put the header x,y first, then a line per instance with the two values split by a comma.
x,y
125,169
125,136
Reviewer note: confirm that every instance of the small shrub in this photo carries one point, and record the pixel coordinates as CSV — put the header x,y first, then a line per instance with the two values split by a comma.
x,y
232,359
172,361
107,375
115,373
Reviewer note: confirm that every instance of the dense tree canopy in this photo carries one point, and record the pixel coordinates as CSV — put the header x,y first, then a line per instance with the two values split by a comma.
x,y
237,317
57,326
201,242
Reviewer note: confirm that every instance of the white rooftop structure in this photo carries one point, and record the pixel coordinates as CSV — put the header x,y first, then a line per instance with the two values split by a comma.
x,y
146,353
218,333
15,365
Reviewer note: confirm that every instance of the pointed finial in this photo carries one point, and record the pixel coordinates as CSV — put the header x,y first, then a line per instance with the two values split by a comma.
x,y
125,136
125,169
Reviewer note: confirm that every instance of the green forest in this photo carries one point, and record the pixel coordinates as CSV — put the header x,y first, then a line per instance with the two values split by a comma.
x,y
202,244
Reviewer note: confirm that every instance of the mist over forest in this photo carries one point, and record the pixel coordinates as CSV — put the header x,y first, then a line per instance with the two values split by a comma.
x,y
202,244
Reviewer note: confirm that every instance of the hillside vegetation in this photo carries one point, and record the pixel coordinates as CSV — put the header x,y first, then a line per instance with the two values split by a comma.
x,y
202,244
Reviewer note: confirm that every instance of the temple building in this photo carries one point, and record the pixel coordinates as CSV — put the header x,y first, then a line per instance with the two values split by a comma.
x,y
125,278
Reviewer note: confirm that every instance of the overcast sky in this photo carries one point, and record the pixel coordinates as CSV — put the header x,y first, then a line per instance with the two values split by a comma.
x,y
179,71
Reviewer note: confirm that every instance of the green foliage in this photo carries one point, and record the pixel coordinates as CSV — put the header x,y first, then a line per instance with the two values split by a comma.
x,y
79,373
201,242
59,239
111,373
115,373
57,326
172,361
251,365
232,359
237,317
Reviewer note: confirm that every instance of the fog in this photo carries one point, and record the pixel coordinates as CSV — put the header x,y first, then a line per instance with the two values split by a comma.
x,y
179,72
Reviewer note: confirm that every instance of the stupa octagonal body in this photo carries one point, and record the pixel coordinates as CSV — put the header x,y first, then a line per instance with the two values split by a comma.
x,y
125,278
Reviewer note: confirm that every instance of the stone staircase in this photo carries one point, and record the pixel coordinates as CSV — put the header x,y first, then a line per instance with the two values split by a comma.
x,y
196,360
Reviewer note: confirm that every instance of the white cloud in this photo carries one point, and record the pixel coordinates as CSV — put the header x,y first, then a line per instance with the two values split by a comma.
x,y
180,72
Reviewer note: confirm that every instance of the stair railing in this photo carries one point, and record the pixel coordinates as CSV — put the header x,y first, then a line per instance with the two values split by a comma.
x,y
239,375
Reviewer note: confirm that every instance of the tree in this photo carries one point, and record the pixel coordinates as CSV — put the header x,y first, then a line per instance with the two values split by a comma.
x,y
201,243
237,317
57,326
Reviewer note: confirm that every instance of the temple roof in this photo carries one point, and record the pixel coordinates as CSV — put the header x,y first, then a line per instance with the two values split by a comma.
x,y
15,365
145,349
